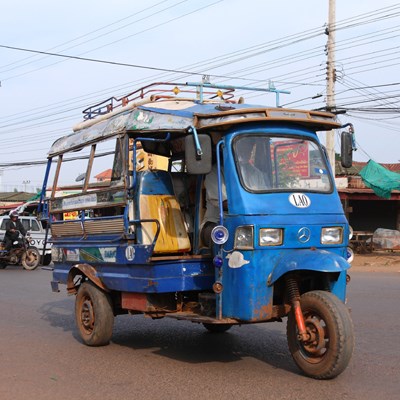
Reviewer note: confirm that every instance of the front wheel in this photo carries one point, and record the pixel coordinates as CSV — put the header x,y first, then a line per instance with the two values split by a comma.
x,y
30,258
328,350
93,315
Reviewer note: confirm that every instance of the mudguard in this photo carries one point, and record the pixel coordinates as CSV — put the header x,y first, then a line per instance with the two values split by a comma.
x,y
313,260
86,270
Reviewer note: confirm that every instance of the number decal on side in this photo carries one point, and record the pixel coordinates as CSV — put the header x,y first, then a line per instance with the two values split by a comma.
x,y
130,253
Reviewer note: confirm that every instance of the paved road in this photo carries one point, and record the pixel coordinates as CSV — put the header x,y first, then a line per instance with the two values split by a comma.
x,y
42,358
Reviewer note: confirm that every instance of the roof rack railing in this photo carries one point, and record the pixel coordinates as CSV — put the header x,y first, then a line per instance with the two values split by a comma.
x,y
167,90
158,90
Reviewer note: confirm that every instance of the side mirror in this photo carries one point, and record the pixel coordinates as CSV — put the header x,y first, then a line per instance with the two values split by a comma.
x,y
346,149
198,164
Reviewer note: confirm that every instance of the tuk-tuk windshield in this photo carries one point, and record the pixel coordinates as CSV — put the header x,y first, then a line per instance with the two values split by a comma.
x,y
279,163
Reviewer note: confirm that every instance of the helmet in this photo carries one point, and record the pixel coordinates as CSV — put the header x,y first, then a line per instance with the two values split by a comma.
x,y
14,213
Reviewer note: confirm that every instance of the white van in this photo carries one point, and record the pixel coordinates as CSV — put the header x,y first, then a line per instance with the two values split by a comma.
x,y
36,232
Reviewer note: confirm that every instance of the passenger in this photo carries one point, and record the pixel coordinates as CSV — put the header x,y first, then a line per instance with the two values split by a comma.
x,y
252,177
13,225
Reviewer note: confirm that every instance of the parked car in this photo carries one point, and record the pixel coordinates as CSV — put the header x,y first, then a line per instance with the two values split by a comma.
x,y
37,234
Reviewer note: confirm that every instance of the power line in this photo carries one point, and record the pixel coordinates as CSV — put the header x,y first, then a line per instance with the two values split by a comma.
x,y
109,44
372,93
237,56
99,61
94,31
292,36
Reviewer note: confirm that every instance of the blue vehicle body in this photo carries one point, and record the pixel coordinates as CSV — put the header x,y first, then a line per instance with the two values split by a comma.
x,y
134,243
248,292
121,263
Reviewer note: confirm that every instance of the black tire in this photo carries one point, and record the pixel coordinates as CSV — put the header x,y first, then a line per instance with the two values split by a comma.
x,y
328,321
46,260
217,328
30,259
93,315
3,265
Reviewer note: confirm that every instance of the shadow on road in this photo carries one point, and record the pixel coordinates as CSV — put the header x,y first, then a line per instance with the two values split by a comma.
x,y
184,341
191,343
59,314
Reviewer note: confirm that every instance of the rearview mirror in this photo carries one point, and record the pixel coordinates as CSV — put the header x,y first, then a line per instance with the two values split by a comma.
x,y
197,164
346,149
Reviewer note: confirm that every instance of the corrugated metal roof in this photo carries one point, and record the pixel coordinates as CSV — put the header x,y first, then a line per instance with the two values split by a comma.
x,y
15,196
105,174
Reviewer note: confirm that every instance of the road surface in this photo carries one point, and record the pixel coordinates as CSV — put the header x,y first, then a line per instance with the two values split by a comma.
x,y
43,358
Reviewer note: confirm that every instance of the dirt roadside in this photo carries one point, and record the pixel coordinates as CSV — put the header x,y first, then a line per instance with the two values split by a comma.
x,y
377,261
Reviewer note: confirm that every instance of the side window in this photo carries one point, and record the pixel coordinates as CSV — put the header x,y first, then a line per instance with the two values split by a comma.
x,y
35,226
3,224
25,224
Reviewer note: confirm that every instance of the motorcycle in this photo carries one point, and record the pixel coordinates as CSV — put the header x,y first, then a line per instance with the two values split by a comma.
x,y
21,253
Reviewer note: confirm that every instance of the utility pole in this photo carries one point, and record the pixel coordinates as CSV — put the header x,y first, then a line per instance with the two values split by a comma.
x,y
330,80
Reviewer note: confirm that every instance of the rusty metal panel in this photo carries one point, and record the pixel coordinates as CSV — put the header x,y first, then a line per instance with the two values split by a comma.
x,y
134,301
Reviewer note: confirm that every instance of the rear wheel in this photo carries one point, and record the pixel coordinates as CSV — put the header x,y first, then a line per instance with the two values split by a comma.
x,y
30,259
217,328
93,315
329,348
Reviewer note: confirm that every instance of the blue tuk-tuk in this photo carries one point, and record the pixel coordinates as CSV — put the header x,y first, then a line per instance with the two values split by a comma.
x,y
130,237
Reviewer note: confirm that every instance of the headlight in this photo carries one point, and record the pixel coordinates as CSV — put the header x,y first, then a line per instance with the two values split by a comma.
x,y
351,232
244,237
271,237
332,235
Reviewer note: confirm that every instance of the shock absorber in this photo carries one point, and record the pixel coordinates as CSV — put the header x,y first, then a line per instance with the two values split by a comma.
x,y
293,292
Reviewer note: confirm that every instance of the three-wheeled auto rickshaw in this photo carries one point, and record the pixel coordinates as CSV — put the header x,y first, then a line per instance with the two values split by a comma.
x,y
279,240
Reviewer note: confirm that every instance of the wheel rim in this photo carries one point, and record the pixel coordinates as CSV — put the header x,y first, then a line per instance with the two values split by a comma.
x,y
87,315
316,347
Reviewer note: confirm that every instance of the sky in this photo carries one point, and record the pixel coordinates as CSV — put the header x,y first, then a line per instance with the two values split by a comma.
x,y
240,43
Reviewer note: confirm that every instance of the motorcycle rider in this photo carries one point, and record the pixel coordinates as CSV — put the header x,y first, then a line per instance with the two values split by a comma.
x,y
13,225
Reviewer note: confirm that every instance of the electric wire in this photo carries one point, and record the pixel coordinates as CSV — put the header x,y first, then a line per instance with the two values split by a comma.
x,y
66,57
189,72
90,33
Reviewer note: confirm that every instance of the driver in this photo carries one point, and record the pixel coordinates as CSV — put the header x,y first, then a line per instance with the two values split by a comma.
x,y
13,225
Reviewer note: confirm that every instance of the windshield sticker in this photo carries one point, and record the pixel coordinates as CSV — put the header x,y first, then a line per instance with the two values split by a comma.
x,y
299,200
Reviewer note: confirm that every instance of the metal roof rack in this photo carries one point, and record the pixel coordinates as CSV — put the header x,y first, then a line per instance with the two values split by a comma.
x,y
200,91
